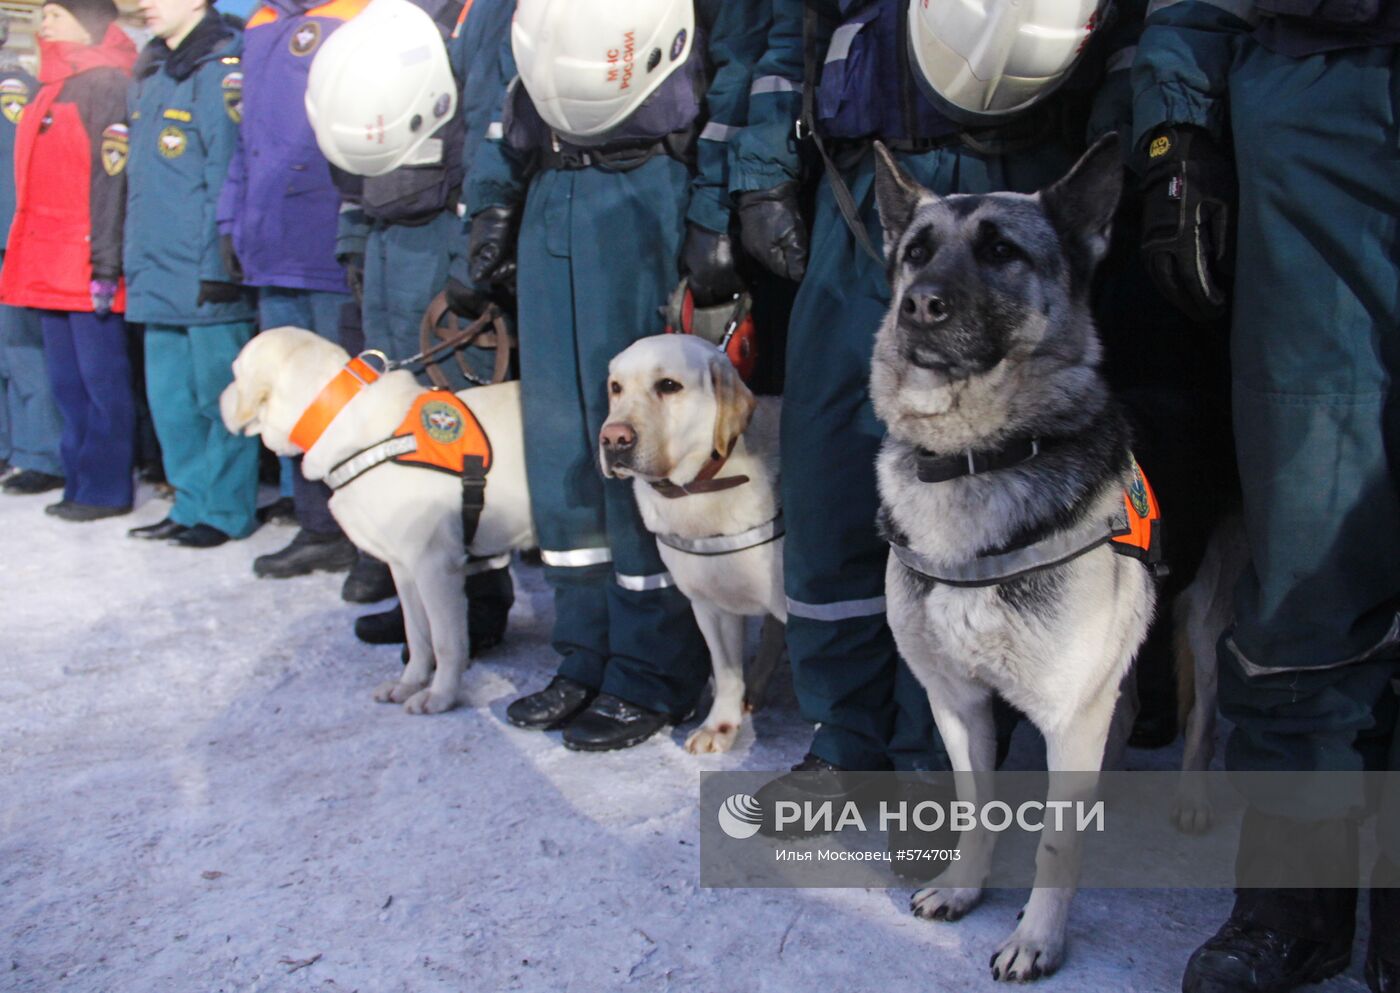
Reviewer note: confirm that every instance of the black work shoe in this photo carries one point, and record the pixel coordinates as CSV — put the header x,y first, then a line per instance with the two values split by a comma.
x,y
383,628
369,581
1383,952
611,723
552,707
486,622
280,511
917,854
814,780
308,552
27,482
1241,959
1382,975
158,531
70,510
200,536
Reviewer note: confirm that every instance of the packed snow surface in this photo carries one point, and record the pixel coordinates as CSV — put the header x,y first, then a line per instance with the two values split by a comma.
x,y
199,795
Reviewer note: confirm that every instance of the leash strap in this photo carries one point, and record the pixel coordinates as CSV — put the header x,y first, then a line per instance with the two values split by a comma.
x,y
845,201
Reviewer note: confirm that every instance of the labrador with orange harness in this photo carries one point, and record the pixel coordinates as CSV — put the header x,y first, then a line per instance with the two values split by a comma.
x,y
431,482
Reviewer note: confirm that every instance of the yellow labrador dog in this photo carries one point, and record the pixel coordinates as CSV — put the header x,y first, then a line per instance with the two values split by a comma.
x,y
407,515
703,452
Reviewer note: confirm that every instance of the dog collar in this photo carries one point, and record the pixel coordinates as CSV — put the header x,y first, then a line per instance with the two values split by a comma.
x,y
344,387
704,481
724,544
932,468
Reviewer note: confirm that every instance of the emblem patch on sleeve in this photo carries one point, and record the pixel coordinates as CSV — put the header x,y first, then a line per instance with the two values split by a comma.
x,y
116,145
172,142
233,96
14,94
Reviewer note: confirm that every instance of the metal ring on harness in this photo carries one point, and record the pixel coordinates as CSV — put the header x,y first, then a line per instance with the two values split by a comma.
x,y
385,364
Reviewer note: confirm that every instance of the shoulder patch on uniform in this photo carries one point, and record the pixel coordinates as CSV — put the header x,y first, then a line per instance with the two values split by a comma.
x,y
14,94
232,86
1160,146
171,142
116,145
184,116
305,39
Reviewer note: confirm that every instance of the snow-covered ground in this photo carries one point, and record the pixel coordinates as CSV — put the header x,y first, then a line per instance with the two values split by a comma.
x,y
197,794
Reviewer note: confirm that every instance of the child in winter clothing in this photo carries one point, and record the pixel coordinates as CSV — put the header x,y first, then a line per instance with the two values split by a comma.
x,y
64,252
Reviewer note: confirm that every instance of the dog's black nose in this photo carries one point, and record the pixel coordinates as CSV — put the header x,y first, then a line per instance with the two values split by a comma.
x,y
617,438
924,306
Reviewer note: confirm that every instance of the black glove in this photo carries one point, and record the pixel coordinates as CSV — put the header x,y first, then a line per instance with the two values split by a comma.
x,y
211,291
772,231
230,258
491,250
707,259
354,264
1188,197
464,301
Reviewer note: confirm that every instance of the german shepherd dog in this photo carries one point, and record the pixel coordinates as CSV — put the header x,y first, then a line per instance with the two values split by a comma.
x,y
1005,469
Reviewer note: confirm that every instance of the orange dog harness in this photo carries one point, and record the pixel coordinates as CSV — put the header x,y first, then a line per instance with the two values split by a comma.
x,y
1136,531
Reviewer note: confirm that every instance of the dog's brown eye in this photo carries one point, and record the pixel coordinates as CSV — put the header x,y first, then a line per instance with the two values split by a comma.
x,y
664,386
1003,251
614,387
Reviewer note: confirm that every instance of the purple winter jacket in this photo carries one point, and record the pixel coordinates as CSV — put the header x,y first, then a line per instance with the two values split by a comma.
x,y
279,202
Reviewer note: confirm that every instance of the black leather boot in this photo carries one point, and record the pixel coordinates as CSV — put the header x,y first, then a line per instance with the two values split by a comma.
x,y
384,628
1383,951
552,707
1276,941
369,581
913,850
814,781
308,552
611,723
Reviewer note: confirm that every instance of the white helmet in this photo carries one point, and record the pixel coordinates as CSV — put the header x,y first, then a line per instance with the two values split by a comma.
x,y
981,61
379,87
588,64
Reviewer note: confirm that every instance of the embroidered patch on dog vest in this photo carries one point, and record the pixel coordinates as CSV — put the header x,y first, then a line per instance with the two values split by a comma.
x,y
447,434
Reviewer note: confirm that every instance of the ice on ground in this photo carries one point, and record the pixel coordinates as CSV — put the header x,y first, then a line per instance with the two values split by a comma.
x,y
199,795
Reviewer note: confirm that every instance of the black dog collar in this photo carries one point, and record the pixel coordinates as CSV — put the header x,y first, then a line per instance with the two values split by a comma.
x,y
933,468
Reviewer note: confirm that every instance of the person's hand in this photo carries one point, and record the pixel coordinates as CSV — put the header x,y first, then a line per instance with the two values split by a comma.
x,y
464,301
103,292
211,291
772,231
1187,238
491,248
230,258
707,259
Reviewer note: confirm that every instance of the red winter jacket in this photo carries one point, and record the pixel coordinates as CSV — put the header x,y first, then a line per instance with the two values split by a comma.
x,y
70,177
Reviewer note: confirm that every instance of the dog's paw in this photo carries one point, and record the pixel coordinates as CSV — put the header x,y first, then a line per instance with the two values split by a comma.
x,y
428,702
1192,812
1027,955
944,903
707,740
395,691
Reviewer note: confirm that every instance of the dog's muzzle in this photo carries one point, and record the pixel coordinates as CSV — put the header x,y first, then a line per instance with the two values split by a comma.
x,y
618,443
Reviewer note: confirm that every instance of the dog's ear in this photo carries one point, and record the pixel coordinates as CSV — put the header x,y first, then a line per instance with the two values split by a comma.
x,y
1081,205
896,196
734,404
